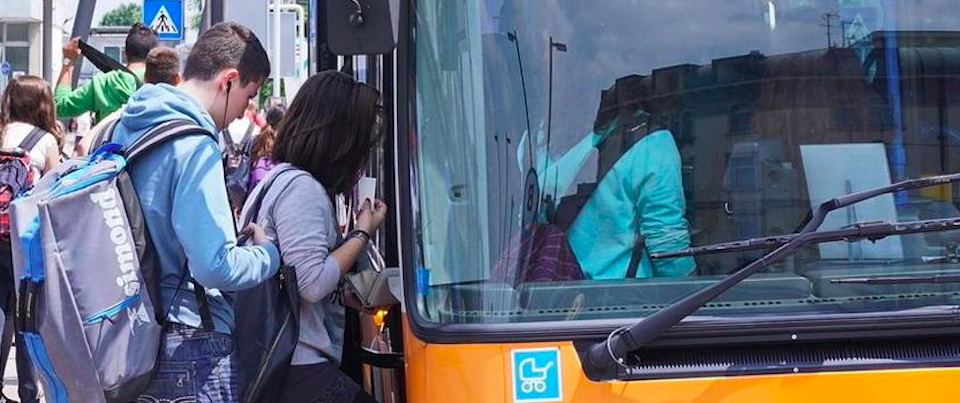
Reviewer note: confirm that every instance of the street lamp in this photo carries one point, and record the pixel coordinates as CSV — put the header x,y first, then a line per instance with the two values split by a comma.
x,y
560,47
512,36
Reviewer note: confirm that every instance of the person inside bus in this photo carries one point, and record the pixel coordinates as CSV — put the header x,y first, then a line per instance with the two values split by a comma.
x,y
326,138
640,196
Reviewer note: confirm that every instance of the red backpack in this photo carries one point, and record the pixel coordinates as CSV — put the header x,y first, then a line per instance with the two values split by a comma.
x,y
16,176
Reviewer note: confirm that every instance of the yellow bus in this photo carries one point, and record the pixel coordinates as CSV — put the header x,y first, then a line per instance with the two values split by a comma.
x,y
673,201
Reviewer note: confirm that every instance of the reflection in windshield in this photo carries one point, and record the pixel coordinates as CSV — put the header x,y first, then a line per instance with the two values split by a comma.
x,y
677,123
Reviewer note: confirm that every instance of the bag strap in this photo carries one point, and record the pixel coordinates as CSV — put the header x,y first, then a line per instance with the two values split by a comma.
x,y
231,147
638,249
32,139
247,141
160,134
105,135
206,319
258,198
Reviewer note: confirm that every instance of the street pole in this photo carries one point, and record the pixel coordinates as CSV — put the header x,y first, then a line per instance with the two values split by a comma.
x,y
275,44
512,36
81,28
216,11
48,41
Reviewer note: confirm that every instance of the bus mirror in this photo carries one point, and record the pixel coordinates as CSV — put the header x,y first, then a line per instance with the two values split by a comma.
x,y
361,27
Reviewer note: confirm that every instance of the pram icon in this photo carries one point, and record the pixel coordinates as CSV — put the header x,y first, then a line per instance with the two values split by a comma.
x,y
532,377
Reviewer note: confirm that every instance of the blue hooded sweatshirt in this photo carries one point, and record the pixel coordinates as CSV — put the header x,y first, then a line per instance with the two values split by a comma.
x,y
181,188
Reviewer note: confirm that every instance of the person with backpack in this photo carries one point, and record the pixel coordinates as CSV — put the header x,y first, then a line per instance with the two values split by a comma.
x,y
263,147
237,142
30,146
180,185
320,151
107,92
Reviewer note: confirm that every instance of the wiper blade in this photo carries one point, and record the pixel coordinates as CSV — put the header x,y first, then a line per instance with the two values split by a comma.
x,y
933,279
872,231
601,360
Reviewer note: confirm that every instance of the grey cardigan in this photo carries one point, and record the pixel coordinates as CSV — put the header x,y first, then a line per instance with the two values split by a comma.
x,y
297,212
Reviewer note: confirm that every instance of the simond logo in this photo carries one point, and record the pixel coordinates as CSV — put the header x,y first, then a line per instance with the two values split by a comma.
x,y
113,217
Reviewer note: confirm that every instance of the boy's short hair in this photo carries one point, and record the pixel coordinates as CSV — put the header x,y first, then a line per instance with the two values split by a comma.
x,y
228,45
140,41
163,65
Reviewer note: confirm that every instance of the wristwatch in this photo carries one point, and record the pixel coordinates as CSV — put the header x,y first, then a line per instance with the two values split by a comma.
x,y
68,61
358,233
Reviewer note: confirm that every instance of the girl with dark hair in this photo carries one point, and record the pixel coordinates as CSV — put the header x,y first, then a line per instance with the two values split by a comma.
x,y
321,148
28,104
263,146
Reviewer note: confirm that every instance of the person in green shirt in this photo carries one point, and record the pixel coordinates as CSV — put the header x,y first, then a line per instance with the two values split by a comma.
x,y
107,92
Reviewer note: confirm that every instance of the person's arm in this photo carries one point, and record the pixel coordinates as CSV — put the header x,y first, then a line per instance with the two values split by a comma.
x,y
71,103
203,223
302,216
52,158
658,191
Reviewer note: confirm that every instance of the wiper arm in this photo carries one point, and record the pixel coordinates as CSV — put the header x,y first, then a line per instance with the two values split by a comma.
x,y
601,360
934,279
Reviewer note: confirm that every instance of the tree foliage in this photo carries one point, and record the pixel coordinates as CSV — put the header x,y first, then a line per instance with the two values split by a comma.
x,y
122,16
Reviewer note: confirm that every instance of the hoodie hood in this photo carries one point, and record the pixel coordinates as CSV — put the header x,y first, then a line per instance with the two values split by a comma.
x,y
154,104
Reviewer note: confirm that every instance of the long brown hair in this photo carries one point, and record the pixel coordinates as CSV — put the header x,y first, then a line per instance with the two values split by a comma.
x,y
330,129
28,99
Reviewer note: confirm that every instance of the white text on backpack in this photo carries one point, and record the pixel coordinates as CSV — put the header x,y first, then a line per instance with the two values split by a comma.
x,y
113,217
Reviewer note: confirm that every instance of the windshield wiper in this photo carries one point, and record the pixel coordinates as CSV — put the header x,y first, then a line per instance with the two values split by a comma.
x,y
929,279
601,360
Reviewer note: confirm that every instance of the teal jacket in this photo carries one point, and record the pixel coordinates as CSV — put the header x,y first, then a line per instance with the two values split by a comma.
x,y
642,193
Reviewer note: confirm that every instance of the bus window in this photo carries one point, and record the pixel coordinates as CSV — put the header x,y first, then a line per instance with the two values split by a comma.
x,y
559,146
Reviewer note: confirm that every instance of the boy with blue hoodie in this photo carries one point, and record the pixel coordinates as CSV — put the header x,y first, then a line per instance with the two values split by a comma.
x,y
181,189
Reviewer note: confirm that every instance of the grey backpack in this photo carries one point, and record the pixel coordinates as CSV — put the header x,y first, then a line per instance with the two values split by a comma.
x,y
89,300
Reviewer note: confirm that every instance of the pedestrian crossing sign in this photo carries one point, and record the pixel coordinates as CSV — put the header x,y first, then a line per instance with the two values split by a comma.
x,y
165,17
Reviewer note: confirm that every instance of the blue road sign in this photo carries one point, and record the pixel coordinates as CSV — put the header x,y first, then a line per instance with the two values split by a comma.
x,y
165,17
5,69
536,375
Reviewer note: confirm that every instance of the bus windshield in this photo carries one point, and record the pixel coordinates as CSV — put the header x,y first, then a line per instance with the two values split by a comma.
x,y
557,145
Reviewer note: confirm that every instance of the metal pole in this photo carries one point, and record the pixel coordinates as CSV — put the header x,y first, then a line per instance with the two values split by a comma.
x,y
550,100
275,45
205,17
81,28
523,84
216,11
48,40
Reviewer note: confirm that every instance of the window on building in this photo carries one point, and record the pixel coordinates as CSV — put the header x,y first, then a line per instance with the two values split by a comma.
x,y
114,52
15,46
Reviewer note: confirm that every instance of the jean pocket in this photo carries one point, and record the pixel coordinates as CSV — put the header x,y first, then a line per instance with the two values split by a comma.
x,y
172,383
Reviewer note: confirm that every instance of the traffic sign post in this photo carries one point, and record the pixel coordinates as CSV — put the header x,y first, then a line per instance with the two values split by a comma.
x,y
165,17
5,69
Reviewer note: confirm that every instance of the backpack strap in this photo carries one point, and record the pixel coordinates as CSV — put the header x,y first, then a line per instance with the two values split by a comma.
x,y
32,139
156,136
105,135
161,133
258,198
247,141
229,146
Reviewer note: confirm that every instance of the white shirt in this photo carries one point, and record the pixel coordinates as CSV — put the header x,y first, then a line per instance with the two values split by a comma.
x,y
17,131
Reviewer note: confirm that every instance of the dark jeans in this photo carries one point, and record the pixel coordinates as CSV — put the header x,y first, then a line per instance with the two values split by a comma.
x,y
26,377
194,366
321,383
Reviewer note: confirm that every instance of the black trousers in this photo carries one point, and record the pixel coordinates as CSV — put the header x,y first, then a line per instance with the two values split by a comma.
x,y
25,374
321,383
